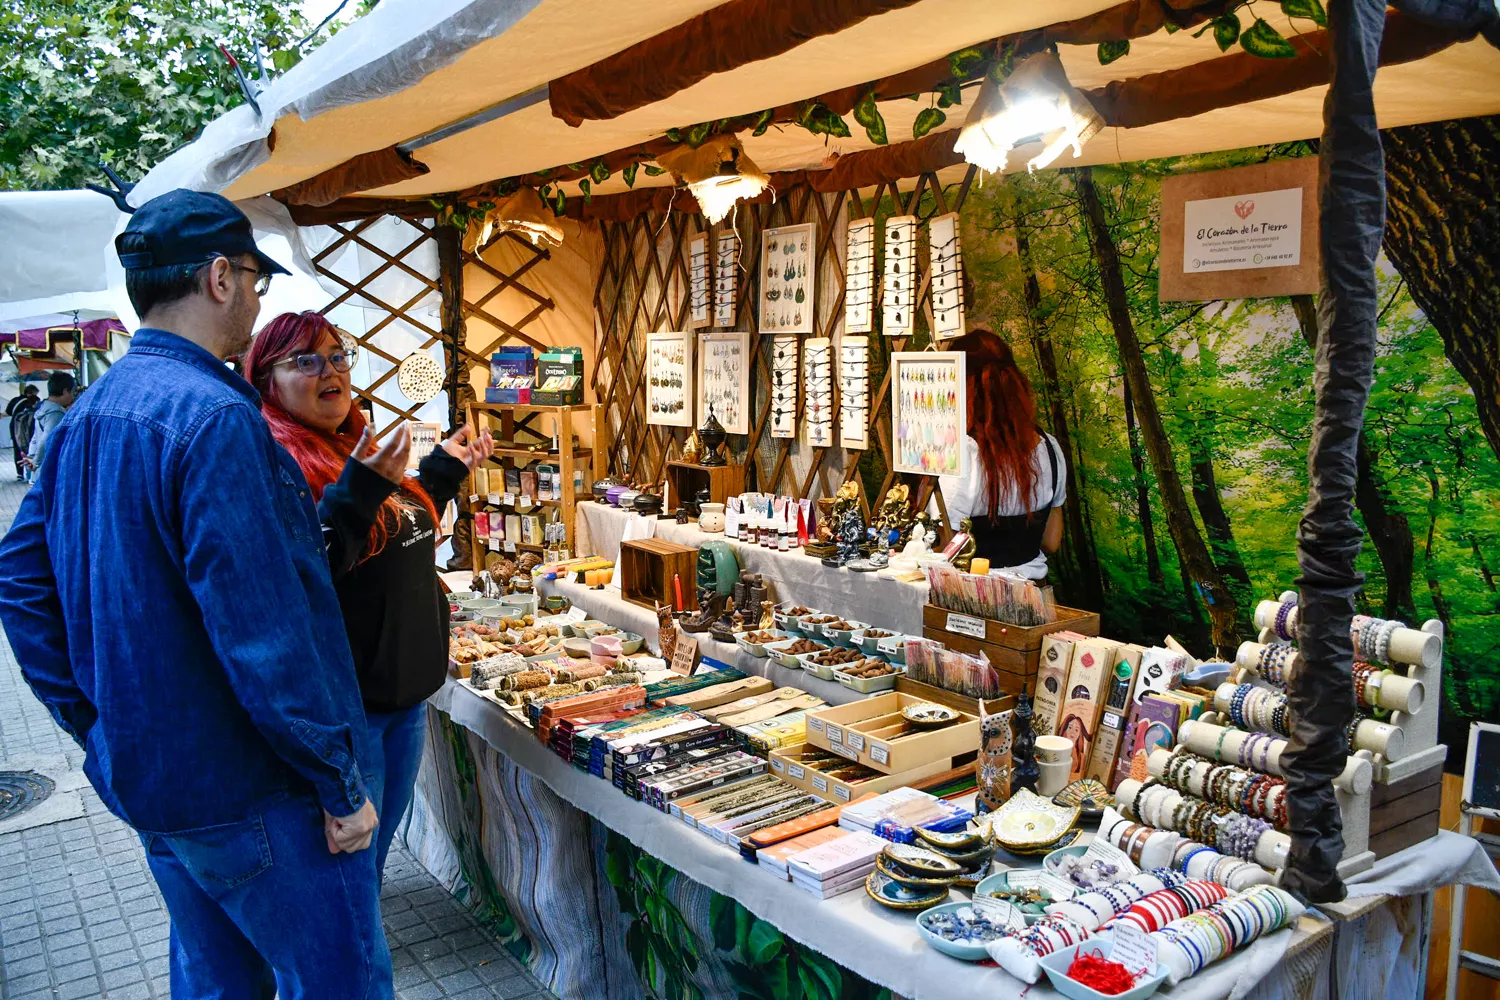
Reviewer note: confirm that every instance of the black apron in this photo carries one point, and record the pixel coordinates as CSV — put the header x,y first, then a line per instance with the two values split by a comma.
x,y
1016,539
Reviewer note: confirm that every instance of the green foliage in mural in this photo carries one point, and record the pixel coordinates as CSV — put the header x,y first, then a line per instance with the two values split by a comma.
x,y
661,945
767,965
1234,383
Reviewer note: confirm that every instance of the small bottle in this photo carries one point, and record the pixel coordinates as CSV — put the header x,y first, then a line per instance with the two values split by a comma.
x,y
784,543
767,534
751,534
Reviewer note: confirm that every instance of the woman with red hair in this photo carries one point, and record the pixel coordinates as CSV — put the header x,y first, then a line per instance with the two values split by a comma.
x,y
1018,479
380,527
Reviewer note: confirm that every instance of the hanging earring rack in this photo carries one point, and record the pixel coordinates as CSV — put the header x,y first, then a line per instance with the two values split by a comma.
x,y
898,288
859,277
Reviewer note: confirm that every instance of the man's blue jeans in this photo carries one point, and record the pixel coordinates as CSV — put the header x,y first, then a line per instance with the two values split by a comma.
x,y
390,769
266,890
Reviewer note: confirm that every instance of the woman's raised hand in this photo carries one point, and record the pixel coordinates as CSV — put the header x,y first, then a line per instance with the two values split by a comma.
x,y
470,448
390,458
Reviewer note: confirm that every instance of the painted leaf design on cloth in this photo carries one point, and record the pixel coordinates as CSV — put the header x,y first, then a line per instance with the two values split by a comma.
x,y
1260,39
765,942
587,189
927,120
1226,30
1110,51
698,134
866,113
949,94
1310,9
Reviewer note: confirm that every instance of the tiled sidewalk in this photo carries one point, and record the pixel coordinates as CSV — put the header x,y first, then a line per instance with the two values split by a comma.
x,y
81,917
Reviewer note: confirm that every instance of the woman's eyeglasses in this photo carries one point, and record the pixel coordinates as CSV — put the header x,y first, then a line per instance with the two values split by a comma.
x,y
313,365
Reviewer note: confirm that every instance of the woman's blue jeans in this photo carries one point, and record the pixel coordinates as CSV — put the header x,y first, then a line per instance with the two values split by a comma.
x,y
395,754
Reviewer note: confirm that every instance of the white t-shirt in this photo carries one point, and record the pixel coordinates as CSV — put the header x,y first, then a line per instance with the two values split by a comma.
x,y
968,495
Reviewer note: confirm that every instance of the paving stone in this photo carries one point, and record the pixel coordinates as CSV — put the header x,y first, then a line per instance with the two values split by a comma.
x,y
74,970
459,982
78,989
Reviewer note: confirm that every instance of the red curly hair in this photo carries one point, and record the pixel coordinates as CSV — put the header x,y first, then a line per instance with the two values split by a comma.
x,y
322,456
1002,415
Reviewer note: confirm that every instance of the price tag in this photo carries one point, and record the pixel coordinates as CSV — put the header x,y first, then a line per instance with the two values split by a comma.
x,y
510,547
999,911
796,772
577,614
815,725
494,498
507,499
844,751
1101,850
494,545
1058,888
834,734
854,741
525,500
841,792
1113,720
1024,878
473,498
820,783
880,753
965,625
1133,948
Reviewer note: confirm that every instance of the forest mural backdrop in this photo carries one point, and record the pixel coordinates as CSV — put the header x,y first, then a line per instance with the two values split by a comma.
x,y
1187,424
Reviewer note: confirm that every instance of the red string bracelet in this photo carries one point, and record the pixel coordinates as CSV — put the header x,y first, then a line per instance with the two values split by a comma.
x,y
1099,973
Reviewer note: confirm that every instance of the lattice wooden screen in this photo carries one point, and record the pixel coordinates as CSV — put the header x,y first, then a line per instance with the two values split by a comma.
x,y
643,287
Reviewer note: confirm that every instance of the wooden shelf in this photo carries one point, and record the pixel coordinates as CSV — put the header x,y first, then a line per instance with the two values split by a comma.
x,y
533,407
543,456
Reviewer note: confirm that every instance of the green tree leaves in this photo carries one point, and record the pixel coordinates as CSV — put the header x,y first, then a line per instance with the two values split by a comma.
x,y
1226,30
866,113
1110,51
819,119
1310,9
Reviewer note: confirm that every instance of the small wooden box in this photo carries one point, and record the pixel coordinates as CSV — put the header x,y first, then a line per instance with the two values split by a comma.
x,y
784,765
873,733
685,479
1405,812
647,568
1015,651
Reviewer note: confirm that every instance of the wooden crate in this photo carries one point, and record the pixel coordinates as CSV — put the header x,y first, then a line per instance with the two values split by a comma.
x,y
1015,651
685,479
646,569
1405,812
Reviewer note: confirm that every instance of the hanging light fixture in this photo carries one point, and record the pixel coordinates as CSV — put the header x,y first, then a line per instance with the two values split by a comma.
x,y
718,173
523,213
1036,102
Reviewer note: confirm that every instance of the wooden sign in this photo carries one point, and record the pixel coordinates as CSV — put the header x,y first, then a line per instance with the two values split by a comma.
x,y
1246,232
685,658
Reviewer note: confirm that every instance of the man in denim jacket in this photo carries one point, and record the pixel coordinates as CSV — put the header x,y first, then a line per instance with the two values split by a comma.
x,y
168,598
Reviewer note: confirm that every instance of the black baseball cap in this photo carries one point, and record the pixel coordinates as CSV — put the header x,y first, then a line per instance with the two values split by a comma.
x,y
188,227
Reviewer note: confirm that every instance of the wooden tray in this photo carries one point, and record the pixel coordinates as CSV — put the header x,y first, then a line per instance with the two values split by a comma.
x,y
1015,651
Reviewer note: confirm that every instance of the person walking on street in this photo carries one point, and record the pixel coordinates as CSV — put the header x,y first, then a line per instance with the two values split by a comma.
x,y
61,388
21,412
206,671
382,531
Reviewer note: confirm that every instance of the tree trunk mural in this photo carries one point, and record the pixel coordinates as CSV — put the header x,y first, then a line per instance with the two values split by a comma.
x,y
1435,585
1196,561
1215,519
1092,586
1441,224
1142,494
1389,529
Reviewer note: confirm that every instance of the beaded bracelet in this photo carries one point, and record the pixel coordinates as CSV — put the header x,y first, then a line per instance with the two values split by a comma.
x,y
1282,614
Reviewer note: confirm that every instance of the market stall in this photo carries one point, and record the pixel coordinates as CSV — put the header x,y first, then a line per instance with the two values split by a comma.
x,y
737,702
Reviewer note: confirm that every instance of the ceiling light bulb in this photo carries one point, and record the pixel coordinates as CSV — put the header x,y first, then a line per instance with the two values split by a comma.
x,y
1035,102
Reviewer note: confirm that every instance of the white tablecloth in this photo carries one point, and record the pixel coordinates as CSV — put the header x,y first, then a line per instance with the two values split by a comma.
x,y
882,946
792,576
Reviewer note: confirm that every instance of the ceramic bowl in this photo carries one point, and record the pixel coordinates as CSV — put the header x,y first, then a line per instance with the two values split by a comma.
x,y
479,604
605,645
1066,840
791,660
462,618
919,861
888,892
845,636
631,643
969,859
1028,822
1053,858
757,649
579,648
606,660
969,951
959,840
590,627
463,595
927,715
1002,881
495,616
1056,967
870,643
922,882
526,602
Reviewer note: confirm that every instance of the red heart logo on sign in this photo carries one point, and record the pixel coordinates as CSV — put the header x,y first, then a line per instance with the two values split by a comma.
x,y
1244,208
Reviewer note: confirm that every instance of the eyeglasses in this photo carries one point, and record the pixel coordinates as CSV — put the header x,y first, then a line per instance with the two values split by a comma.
x,y
262,282
313,365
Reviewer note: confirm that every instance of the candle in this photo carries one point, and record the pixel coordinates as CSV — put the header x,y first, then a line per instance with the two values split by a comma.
x,y
677,586
979,566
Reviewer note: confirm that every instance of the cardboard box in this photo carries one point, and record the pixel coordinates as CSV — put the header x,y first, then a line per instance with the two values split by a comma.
x,y
559,377
873,733
1055,659
786,766
1109,737
512,375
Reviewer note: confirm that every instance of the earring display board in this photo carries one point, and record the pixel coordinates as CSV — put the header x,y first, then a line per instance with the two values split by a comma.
x,y
947,277
789,277
854,393
859,277
784,355
899,293
817,379
928,412
724,379
669,381
726,277
698,280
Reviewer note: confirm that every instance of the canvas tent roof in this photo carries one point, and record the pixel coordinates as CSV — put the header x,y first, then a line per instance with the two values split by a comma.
x,y
413,66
